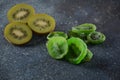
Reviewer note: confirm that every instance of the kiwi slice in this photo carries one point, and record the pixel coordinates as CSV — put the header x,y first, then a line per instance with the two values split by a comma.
x,y
96,37
77,50
57,33
17,33
57,47
20,13
41,23
86,28
88,57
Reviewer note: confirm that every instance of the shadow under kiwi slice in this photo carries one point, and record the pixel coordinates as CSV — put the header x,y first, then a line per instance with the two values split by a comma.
x,y
17,33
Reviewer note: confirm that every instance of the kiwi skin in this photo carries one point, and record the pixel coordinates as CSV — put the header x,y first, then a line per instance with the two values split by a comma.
x,y
45,16
17,44
17,7
6,31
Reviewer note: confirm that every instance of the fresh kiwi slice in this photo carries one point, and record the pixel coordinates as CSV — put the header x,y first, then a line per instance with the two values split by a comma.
x,y
41,23
17,33
20,13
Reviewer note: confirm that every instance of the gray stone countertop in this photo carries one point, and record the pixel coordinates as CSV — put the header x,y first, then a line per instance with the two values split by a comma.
x,y
32,62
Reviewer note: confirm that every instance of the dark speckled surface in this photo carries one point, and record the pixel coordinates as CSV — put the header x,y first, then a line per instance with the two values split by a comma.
x,y
32,62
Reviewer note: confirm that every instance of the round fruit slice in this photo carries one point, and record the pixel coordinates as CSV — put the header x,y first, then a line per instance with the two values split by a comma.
x,y
57,47
82,36
41,23
96,37
20,13
57,33
77,50
17,33
84,28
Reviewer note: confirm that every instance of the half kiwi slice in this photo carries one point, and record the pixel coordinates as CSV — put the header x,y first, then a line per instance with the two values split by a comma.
x,y
17,33
20,13
42,23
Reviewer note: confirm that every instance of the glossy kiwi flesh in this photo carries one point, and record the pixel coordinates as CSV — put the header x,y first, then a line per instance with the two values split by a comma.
x,y
20,13
17,33
42,23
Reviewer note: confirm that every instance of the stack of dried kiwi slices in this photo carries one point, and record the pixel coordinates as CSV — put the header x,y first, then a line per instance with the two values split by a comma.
x,y
73,47
23,21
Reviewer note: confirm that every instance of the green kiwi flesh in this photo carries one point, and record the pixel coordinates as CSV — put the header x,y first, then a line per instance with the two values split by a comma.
x,y
20,13
42,23
17,33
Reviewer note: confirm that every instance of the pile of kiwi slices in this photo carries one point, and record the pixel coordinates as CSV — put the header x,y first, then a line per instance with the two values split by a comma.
x,y
23,21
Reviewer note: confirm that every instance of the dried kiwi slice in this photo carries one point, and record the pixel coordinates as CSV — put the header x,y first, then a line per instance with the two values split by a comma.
x,y
84,28
96,37
88,57
41,23
77,50
82,36
20,13
57,47
17,33
57,33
